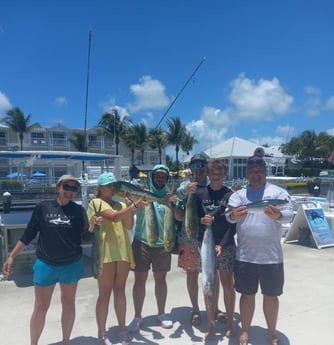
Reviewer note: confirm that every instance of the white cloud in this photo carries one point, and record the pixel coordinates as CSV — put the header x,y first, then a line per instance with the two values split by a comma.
x,y
330,131
61,101
5,104
286,131
313,104
259,100
149,94
330,103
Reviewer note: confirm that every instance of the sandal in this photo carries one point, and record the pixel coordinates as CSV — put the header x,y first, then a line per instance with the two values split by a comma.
x,y
195,318
243,340
220,316
274,341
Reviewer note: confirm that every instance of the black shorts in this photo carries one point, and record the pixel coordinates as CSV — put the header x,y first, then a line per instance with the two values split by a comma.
x,y
247,277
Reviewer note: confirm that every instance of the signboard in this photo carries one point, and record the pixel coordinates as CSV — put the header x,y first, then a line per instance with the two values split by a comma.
x,y
310,227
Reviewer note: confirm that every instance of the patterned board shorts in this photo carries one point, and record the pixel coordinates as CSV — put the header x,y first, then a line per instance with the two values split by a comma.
x,y
190,259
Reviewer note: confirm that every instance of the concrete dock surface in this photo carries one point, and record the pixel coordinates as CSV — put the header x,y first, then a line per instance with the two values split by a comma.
x,y
305,316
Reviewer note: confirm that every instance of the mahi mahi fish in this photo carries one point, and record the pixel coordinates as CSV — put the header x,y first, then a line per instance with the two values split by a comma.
x,y
208,259
152,230
191,222
258,206
133,192
97,248
169,229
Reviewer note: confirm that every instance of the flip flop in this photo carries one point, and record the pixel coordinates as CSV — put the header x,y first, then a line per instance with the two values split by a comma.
x,y
195,318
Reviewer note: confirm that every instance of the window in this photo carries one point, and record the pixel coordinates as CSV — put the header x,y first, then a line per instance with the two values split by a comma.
x,y
58,139
37,138
3,139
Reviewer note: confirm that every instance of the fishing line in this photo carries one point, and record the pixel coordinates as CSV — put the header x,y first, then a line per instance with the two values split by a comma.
x,y
180,92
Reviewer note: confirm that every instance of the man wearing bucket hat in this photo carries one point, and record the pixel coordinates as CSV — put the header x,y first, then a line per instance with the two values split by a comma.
x,y
155,256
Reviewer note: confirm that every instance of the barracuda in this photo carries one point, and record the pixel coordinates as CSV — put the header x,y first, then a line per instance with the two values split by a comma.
x,y
208,258
258,206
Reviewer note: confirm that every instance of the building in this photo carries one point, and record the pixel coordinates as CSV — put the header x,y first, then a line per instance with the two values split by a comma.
x,y
57,138
235,151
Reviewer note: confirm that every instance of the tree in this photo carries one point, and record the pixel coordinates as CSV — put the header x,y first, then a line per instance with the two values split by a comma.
x,y
142,139
78,140
129,139
158,140
113,123
188,143
16,120
175,135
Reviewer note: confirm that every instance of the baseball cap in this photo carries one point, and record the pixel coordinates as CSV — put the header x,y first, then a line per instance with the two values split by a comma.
x,y
106,178
65,178
199,157
254,160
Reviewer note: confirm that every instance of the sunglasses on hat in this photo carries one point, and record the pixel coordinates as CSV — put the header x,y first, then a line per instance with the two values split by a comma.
x,y
197,165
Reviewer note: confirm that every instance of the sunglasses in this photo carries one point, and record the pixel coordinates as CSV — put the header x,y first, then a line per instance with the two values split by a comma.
x,y
73,189
256,161
197,165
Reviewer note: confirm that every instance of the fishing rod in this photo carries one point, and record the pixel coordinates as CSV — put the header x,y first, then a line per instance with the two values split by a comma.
x,y
180,92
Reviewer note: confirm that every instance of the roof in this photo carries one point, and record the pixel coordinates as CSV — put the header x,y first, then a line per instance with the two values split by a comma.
x,y
82,156
235,147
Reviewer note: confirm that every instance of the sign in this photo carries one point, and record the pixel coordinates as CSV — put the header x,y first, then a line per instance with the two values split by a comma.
x,y
310,227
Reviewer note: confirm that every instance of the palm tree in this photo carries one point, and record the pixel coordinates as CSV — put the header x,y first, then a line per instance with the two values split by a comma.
x,y
16,120
158,140
142,139
188,143
130,140
78,140
114,124
175,135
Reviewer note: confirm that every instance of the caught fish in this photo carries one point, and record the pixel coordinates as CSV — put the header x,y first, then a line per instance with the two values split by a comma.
x,y
258,206
97,247
208,258
169,229
191,222
152,230
133,192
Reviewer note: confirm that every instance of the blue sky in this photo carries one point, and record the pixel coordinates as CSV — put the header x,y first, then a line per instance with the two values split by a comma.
x,y
267,76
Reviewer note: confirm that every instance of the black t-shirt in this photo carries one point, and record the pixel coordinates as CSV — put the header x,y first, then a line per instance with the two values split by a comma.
x,y
212,200
61,230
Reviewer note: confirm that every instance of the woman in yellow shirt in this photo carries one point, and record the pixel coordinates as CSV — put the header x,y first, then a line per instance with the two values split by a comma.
x,y
115,218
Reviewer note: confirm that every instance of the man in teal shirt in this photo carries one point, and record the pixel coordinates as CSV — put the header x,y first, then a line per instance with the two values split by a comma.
x,y
149,251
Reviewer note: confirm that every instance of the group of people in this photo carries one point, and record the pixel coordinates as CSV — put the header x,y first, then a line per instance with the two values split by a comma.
x,y
247,246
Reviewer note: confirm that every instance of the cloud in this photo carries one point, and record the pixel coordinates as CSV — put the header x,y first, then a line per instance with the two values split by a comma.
x,y
286,131
330,103
61,101
5,104
259,100
149,94
330,131
211,128
313,104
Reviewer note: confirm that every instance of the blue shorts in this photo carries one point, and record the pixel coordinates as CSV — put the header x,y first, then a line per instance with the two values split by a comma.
x,y
46,275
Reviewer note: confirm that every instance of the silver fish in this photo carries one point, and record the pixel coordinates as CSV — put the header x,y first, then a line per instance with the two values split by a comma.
x,y
152,230
208,258
258,206
169,229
